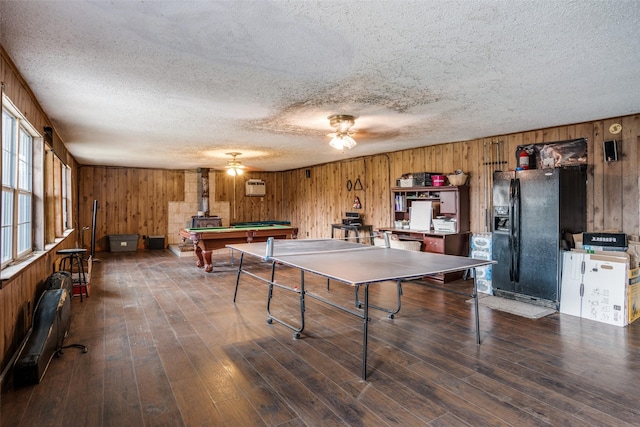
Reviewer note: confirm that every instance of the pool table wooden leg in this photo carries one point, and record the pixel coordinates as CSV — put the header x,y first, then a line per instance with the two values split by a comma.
x,y
198,250
208,265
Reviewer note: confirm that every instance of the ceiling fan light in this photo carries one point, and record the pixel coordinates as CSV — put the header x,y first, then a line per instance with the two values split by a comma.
x,y
348,142
336,142
340,142
340,138
234,167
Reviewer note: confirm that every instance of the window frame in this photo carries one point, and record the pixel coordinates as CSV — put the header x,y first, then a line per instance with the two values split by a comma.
x,y
18,184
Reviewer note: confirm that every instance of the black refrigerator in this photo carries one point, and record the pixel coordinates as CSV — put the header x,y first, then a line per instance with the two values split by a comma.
x,y
532,211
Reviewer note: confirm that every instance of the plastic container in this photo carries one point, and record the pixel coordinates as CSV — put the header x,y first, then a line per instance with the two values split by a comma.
x,y
438,180
155,243
123,242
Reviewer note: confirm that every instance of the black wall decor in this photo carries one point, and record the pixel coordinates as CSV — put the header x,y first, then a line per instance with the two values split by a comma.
x,y
610,151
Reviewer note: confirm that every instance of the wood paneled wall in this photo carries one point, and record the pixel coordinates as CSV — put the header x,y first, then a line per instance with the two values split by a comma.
x,y
130,201
20,293
612,189
249,208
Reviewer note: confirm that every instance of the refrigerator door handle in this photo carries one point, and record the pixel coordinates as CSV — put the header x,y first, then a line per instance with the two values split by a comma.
x,y
511,223
516,232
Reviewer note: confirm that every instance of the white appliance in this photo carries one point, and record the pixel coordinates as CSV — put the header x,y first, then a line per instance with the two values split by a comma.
x,y
445,225
254,187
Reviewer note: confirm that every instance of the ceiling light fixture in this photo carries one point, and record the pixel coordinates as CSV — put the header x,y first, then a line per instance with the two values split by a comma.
x,y
234,167
341,138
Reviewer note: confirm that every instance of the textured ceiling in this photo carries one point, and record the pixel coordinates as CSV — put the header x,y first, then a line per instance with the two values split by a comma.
x,y
178,84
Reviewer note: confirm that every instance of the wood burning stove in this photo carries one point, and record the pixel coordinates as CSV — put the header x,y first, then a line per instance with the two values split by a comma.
x,y
204,222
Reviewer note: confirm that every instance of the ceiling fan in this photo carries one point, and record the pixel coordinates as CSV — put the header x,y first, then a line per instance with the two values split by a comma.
x,y
234,167
341,138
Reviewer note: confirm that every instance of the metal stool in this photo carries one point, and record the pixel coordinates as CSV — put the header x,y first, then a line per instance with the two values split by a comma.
x,y
73,260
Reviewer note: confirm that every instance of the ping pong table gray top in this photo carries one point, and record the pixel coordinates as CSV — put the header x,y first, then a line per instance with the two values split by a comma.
x,y
357,264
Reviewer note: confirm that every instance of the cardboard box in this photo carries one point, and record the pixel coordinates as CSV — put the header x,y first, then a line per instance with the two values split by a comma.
x,y
617,240
123,242
634,252
483,272
481,254
594,286
634,302
485,286
592,248
481,241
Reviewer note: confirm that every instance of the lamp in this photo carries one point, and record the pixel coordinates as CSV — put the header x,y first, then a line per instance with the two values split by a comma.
x,y
234,167
341,138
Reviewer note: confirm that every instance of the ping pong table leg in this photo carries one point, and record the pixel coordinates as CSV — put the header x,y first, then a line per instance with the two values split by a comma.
x,y
365,333
392,312
302,307
271,318
475,303
270,293
235,293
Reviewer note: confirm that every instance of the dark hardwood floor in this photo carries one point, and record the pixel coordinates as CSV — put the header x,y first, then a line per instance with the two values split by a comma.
x,y
168,347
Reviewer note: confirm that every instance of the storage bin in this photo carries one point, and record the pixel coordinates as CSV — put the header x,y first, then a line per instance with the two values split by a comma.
x,y
123,242
457,179
438,180
155,242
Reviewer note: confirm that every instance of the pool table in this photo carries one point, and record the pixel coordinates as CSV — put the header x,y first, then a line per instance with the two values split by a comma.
x,y
206,240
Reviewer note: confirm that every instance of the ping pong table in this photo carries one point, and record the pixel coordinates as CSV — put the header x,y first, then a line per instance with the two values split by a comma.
x,y
353,264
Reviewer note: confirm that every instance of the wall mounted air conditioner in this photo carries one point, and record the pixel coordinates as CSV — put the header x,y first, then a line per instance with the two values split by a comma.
x,y
254,187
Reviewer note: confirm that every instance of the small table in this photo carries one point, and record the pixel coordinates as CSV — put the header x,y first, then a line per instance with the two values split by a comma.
x,y
355,228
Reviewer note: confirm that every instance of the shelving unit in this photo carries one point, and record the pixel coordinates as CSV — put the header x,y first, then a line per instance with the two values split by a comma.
x,y
450,201
453,202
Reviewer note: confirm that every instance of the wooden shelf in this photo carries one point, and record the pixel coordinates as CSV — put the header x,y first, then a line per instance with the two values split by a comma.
x,y
453,202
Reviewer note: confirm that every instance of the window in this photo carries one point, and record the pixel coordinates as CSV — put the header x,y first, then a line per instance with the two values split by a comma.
x,y
16,232
58,187
66,185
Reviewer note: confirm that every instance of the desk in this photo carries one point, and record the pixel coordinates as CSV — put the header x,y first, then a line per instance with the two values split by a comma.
x,y
355,265
355,228
206,240
437,242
